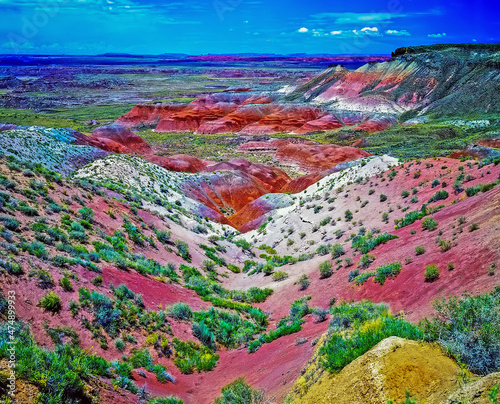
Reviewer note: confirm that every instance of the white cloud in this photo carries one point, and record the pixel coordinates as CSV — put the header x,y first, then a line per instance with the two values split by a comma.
x,y
369,29
351,33
437,35
349,18
319,32
395,32
373,31
380,17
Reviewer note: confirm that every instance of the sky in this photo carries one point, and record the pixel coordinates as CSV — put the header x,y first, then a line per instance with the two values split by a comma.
x,y
357,27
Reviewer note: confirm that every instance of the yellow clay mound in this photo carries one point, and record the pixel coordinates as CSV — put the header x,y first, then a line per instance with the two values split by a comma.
x,y
384,373
477,392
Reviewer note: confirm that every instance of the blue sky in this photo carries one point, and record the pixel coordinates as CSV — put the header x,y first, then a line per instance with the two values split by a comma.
x,y
234,26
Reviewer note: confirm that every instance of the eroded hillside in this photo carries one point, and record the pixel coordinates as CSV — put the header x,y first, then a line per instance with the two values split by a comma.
x,y
353,263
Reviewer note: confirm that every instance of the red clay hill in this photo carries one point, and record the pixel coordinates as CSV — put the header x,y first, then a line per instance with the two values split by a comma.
x,y
308,156
249,114
226,188
447,80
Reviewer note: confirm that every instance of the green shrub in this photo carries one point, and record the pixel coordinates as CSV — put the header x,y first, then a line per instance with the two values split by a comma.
x,y
97,281
66,284
419,250
183,249
180,311
36,248
6,183
204,334
352,275
387,271
10,223
494,394
337,250
227,328
122,292
86,224
190,356
165,400
405,193
362,278
239,392
345,315
325,270
366,260
367,243
323,249
471,191
163,236
348,215
409,218
341,349
79,236
267,249
199,229
51,302
298,309
57,234
325,221
45,280
60,375
27,210
383,198
243,244
431,273
286,326
234,268
473,227
119,344
142,358
257,295
248,264
468,328
11,266
134,233
268,268
74,308
208,265
319,314
439,195
58,333
279,276
303,282
429,223
444,245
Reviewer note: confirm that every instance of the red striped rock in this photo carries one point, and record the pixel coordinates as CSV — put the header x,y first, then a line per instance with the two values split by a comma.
x,y
117,139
